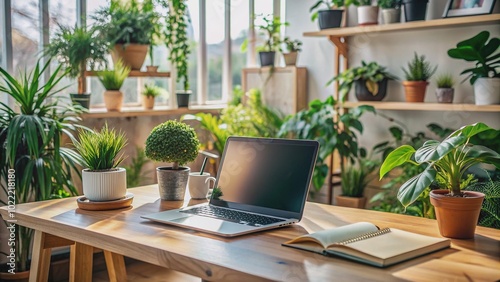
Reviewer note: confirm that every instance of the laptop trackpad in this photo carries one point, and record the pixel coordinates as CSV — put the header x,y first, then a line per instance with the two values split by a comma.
x,y
212,224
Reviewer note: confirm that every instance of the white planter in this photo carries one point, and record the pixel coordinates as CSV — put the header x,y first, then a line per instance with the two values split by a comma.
x,y
391,15
103,186
487,91
367,15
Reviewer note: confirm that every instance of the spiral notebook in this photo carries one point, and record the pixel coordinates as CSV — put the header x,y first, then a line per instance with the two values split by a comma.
x,y
365,242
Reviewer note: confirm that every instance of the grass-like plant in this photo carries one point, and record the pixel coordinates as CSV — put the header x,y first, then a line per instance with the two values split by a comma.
x,y
419,69
445,81
173,142
151,90
31,144
101,150
113,79
355,178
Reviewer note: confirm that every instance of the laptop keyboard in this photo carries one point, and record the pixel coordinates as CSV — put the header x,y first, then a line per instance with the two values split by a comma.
x,y
233,216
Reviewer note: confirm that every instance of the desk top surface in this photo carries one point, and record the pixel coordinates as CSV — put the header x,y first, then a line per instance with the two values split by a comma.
x,y
258,256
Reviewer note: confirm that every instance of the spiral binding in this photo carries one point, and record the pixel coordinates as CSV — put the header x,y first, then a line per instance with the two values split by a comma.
x,y
365,236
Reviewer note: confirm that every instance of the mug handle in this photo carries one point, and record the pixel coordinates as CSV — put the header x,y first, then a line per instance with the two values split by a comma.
x,y
210,179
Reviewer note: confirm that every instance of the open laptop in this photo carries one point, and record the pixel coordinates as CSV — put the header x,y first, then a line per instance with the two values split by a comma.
x,y
263,185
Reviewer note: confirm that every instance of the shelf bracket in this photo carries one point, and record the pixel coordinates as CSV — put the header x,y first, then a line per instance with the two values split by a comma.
x,y
340,43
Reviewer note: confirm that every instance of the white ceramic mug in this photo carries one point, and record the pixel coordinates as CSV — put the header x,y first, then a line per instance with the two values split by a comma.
x,y
199,184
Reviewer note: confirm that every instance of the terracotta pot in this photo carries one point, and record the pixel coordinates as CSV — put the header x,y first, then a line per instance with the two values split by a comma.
x,y
152,68
18,276
100,186
350,202
133,55
415,90
457,216
113,100
290,58
148,102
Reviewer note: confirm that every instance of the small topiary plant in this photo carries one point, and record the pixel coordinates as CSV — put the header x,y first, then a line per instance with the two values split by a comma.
x,y
174,142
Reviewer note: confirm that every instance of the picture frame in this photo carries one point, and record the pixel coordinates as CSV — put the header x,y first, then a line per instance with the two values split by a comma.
x,y
460,8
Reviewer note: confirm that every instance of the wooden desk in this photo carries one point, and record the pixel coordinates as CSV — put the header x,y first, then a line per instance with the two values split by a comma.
x,y
255,257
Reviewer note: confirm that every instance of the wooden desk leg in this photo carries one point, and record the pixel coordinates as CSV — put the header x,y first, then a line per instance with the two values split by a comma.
x,y
40,259
116,267
80,263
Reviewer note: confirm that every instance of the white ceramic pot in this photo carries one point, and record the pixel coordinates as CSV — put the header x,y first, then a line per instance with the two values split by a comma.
x,y
391,15
367,15
487,90
100,186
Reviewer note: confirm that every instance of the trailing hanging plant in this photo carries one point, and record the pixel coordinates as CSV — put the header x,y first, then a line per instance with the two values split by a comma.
x,y
176,38
31,144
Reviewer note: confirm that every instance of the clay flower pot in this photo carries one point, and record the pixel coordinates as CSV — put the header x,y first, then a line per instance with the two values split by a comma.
x,y
457,216
133,55
351,202
113,100
415,90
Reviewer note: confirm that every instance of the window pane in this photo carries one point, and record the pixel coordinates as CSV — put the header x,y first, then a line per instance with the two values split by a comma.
x,y
25,34
194,38
240,16
215,47
62,13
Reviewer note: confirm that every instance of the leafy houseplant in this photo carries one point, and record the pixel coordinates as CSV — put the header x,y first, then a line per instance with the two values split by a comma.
x,y
485,75
445,91
416,74
370,81
113,80
270,29
329,17
391,12
292,48
100,154
354,179
318,123
31,145
174,142
447,160
76,48
128,26
149,94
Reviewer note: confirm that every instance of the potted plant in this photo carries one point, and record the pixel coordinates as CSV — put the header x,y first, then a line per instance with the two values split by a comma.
x,y
415,10
333,134
457,211
76,48
354,179
445,91
176,40
128,26
292,47
331,16
418,72
485,75
370,81
391,12
270,30
149,94
177,143
113,80
367,14
31,146
100,155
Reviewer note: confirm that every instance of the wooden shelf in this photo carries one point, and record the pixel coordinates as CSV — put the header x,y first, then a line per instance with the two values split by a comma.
x,y
448,22
404,106
136,73
157,111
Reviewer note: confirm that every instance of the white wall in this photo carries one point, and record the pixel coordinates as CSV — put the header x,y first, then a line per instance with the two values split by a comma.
x,y
394,50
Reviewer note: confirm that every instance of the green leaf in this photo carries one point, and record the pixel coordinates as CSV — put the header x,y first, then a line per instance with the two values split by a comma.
x,y
466,53
433,150
477,41
471,130
396,158
411,189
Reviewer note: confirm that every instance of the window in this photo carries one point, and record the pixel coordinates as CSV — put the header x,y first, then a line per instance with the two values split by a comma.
x,y
25,34
240,17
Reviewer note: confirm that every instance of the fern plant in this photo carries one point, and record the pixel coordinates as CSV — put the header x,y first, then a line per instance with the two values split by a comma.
x,y
135,176
151,90
101,150
113,79
419,69
490,211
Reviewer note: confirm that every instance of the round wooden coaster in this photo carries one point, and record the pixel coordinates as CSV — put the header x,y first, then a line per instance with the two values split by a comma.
x,y
86,204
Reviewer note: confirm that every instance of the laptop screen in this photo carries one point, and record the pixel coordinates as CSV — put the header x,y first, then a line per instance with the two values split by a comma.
x,y
264,175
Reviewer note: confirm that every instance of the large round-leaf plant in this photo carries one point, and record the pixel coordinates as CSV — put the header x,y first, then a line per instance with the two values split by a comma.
x,y
449,159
